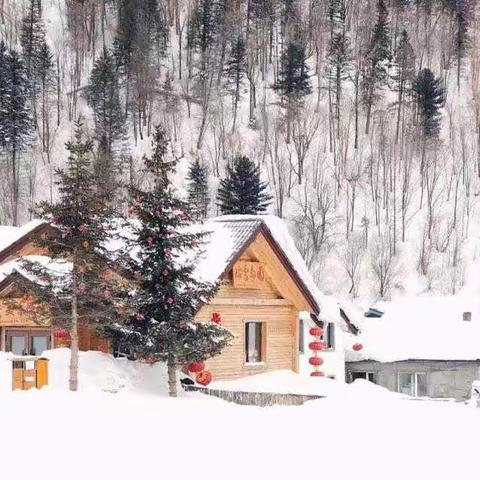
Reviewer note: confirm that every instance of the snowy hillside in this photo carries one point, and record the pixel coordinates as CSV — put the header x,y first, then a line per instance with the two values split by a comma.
x,y
363,116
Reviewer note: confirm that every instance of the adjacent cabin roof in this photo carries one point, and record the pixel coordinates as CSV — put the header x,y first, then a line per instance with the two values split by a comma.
x,y
229,237
422,327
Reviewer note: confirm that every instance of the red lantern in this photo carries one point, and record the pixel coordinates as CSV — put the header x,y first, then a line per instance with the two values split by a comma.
x,y
60,334
204,378
316,361
317,374
216,318
196,367
357,347
316,332
317,346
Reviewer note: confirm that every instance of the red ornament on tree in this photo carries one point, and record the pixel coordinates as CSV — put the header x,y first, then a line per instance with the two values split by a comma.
x,y
170,301
204,378
82,228
196,367
85,244
216,318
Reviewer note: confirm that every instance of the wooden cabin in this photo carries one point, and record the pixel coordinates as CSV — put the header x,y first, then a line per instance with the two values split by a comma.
x,y
264,287
27,333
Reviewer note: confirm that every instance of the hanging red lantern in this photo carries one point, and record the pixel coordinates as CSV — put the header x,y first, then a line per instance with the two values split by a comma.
x,y
60,333
204,378
357,347
316,332
317,346
317,373
316,361
216,318
196,367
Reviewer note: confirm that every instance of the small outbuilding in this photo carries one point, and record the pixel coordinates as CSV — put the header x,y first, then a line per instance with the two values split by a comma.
x,y
422,346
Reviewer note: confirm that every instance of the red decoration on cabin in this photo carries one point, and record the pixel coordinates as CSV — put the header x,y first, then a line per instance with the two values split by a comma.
x,y
60,333
216,318
204,378
316,332
317,373
316,361
357,347
196,367
317,346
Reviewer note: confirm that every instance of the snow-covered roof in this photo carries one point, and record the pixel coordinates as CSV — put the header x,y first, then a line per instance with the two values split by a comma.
x,y
419,328
10,235
230,234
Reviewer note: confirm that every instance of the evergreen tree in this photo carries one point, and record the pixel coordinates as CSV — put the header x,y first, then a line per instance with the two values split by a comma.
x,y
404,74
75,285
168,294
242,190
377,61
16,126
293,82
235,71
197,188
103,95
430,97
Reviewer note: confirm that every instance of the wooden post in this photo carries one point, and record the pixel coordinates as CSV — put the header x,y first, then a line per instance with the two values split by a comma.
x,y
42,372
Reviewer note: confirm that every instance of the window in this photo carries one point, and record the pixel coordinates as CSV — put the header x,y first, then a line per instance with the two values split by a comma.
x,y
254,342
370,376
329,335
413,384
301,336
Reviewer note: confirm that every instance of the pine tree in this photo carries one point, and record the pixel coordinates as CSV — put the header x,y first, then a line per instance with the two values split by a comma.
x,y
404,74
16,127
76,286
103,95
197,188
235,71
168,294
430,97
377,61
293,82
242,190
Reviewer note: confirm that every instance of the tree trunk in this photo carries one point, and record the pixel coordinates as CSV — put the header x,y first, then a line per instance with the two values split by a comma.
x,y
172,375
73,381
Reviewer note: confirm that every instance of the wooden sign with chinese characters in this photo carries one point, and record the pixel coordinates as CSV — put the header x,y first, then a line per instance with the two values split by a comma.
x,y
249,275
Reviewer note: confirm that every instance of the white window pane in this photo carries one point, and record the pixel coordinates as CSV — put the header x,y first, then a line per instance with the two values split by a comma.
x,y
253,342
405,383
421,384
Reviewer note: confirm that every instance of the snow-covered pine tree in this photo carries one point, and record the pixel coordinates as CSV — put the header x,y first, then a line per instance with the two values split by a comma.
x,y
77,284
242,191
168,294
293,82
104,98
197,188
16,127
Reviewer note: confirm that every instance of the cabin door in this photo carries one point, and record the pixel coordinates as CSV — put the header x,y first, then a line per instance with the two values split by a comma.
x,y
28,342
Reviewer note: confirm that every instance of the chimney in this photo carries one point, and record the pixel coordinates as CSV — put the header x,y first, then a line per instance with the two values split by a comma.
x,y
467,316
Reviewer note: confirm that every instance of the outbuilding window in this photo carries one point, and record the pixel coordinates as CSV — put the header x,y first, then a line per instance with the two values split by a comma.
x,y
413,384
370,376
254,347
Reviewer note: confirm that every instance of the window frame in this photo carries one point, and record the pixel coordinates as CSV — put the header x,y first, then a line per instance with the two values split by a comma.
x,y
301,336
263,344
367,374
329,331
414,382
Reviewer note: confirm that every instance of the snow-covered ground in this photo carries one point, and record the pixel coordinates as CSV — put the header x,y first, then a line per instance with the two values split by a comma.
x,y
360,431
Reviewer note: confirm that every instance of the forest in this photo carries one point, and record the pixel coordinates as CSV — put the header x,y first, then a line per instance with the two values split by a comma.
x,y
359,120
